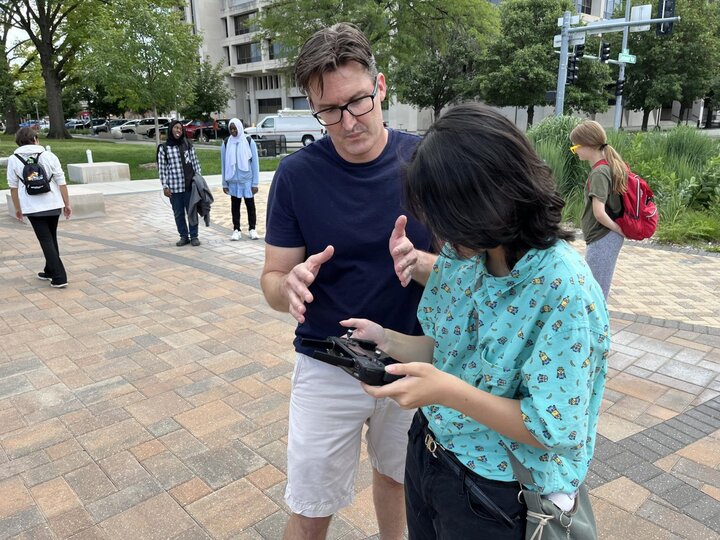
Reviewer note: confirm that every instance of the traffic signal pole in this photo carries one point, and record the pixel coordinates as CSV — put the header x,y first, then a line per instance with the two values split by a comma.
x,y
621,71
562,69
566,34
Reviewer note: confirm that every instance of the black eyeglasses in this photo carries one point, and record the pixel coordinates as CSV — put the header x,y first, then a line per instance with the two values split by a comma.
x,y
356,107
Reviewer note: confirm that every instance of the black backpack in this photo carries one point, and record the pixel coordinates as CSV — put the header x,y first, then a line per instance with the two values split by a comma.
x,y
34,177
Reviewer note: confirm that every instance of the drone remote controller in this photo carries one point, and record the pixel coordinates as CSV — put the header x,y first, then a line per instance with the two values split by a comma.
x,y
359,357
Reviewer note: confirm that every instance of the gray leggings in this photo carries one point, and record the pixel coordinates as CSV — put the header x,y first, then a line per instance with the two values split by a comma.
x,y
601,256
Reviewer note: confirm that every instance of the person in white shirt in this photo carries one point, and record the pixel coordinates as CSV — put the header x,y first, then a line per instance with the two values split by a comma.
x,y
42,209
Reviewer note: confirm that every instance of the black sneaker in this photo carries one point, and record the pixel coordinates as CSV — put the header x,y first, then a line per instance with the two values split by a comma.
x,y
58,285
195,241
182,242
44,276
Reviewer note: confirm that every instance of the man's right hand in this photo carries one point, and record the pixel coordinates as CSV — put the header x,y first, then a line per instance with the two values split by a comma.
x,y
166,191
299,279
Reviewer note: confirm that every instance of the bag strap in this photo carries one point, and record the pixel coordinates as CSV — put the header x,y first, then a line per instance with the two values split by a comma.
x,y
24,162
533,501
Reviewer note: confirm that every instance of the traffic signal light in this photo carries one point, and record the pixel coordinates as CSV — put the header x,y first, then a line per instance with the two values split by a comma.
x,y
619,87
604,52
572,70
666,8
579,51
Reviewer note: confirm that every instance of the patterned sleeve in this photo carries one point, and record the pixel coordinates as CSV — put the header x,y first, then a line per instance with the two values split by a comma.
x,y
194,160
162,164
560,377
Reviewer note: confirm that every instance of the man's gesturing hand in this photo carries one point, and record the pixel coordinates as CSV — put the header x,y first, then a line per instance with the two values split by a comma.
x,y
300,278
403,252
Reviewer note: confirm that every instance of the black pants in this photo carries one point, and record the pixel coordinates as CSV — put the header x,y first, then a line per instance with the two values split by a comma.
x,y
45,228
235,210
447,501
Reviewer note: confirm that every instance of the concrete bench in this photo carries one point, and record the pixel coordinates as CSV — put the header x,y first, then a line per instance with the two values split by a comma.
x,y
104,171
85,203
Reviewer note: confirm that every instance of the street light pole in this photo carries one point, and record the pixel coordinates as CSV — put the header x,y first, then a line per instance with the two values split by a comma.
x,y
37,114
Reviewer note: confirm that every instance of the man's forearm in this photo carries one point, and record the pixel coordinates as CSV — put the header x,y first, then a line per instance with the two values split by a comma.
x,y
272,284
423,266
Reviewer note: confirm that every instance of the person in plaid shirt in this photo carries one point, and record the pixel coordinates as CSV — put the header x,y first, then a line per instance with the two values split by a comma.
x,y
177,164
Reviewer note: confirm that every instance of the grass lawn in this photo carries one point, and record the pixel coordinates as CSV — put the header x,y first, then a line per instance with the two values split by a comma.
x,y
140,157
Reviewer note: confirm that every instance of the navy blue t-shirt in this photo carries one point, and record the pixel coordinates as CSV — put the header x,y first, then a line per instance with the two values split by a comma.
x,y
319,199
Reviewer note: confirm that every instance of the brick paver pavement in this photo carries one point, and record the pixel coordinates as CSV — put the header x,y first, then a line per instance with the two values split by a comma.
x,y
149,398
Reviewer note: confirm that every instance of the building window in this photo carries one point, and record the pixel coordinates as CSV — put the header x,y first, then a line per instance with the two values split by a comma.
x,y
225,26
275,50
585,6
267,82
248,53
227,55
269,106
245,23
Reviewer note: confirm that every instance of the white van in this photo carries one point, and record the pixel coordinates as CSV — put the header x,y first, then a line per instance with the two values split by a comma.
x,y
302,129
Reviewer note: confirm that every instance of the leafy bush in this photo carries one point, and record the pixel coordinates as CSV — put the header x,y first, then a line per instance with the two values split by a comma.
x,y
554,132
707,194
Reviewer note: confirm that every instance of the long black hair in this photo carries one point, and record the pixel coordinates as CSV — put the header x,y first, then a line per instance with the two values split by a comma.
x,y
476,182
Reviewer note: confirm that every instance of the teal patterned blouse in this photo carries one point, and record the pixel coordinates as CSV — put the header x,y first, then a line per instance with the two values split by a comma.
x,y
540,335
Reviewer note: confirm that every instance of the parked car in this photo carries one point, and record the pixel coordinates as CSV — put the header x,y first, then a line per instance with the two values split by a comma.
x,y
117,131
146,126
303,129
75,123
202,131
107,125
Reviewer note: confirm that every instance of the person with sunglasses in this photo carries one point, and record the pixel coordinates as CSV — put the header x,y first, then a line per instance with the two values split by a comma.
x,y
604,187
332,216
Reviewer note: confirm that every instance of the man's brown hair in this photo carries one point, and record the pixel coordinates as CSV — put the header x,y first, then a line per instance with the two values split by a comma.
x,y
328,49
25,135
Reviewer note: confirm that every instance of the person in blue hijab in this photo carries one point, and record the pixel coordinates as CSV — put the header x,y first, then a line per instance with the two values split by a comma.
x,y
240,176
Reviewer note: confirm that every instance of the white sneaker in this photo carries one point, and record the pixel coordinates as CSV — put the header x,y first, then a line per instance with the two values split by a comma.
x,y
253,234
236,235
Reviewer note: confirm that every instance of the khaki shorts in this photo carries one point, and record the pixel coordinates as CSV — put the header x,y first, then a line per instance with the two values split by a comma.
x,y
328,409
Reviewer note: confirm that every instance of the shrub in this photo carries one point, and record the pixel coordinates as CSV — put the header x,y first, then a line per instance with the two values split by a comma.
x,y
554,132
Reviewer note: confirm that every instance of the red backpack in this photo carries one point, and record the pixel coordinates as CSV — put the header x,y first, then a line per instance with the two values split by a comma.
x,y
638,218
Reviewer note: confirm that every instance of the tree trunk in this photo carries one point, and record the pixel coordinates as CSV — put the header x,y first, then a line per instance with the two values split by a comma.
x,y
646,118
157,126
55,105
11,120
531,116
437,110
709,113
680,114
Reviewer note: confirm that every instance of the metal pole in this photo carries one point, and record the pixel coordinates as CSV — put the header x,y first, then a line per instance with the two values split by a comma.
x,y
37,114
562,69
621,71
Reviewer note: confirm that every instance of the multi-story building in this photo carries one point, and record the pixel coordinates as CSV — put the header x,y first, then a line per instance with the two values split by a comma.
x,y
261,86
254,63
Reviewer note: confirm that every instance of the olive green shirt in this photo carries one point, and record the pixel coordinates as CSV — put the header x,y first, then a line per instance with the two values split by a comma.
x,y
599,186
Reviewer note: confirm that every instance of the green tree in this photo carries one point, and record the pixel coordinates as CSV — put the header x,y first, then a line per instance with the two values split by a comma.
x,y
144,54
7,81
589,95
209,90
437,51
676,67
56,28
429,49
292,22
521,65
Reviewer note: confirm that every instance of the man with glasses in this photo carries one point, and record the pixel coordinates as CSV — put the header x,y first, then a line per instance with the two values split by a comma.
x,y
331,209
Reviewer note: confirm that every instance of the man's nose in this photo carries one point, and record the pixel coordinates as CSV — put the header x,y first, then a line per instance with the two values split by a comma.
x,y
348,120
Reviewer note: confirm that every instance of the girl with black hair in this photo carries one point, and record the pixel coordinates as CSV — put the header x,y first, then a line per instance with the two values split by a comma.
x,y
177,164
516,335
